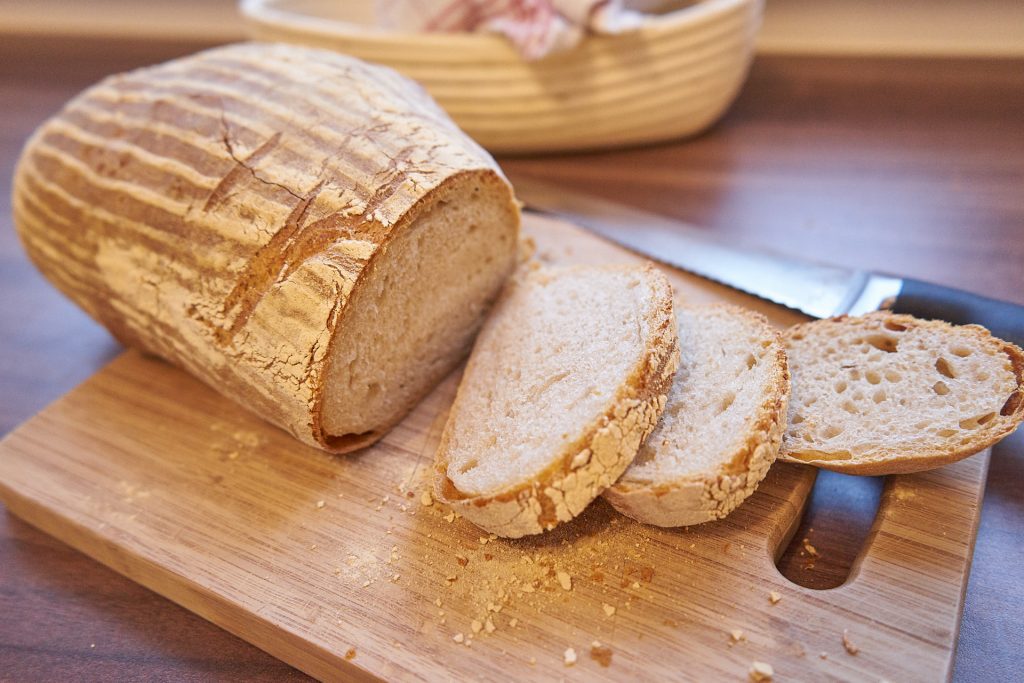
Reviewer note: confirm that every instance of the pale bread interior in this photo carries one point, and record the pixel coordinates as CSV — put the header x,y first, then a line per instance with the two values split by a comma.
x,y
545,368
887,386
414,314
727,367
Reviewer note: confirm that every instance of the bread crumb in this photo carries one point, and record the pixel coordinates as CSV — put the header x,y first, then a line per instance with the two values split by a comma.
x,y
533,661
459,638
602,654
483,540
489,625
564,580
426,500
636,584
462,560
736,635
774,597
569,657
823,655
760,671
366,583
351,654
320,504
848,644
438,602
609,610
811,550
476,626
450,517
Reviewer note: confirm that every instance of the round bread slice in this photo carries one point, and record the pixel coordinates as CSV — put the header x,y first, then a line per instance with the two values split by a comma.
x,y
722,426
889,394
568,376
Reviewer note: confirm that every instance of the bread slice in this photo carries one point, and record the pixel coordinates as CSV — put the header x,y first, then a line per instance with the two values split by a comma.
x,y
887,394
722,426
567,378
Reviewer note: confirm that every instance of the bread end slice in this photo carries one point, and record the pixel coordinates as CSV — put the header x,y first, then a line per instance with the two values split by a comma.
x,y
531,439
722,427
891,394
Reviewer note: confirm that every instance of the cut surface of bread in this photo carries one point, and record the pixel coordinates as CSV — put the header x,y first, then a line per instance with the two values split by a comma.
x,y
417,311
887,394
722,426
568,376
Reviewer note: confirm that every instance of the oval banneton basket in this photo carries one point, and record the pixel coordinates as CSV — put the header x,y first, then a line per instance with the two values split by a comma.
x,y
671,78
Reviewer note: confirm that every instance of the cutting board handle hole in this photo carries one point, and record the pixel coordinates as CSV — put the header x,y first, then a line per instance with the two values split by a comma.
x,y
833,531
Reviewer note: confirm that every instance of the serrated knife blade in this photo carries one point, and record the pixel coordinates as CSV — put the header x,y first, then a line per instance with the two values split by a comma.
x,y
818,290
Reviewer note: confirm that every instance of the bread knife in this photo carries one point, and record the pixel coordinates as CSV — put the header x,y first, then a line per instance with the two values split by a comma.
x,y
819,290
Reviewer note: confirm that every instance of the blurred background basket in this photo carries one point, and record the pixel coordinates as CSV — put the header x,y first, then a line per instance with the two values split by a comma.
x,y
673,77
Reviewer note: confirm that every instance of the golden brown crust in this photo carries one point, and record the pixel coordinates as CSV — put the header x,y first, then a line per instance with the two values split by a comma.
x,y
883,461
591,463
712,495
223,210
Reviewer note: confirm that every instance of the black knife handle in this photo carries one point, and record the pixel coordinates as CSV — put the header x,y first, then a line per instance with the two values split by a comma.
x,y
927,300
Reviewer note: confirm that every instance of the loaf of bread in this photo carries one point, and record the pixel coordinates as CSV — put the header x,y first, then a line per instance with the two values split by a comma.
x,y
722,426
567,378
890,394
309,234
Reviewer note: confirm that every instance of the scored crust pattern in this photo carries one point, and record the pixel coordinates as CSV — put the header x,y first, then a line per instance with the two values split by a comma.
x,y
221,209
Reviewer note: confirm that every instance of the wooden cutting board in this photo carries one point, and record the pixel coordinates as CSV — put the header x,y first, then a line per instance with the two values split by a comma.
x,y
337,565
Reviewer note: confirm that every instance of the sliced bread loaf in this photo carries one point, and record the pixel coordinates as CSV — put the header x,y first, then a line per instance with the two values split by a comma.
x,y
722,426
568,376
307,233
886,394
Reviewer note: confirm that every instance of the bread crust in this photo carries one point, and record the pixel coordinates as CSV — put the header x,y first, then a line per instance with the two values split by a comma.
x,y
591,463
225,210
711,495
884,461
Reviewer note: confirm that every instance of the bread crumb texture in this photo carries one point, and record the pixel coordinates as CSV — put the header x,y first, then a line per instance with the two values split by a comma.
x,y
567,378
722,426
888,394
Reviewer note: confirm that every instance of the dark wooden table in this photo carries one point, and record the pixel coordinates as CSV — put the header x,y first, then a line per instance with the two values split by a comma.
x,y
910,166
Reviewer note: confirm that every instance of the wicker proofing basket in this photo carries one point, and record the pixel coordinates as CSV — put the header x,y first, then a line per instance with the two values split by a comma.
x,y
673,77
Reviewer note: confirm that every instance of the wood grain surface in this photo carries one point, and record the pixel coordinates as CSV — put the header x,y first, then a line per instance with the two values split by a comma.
x,y
910,165
339,566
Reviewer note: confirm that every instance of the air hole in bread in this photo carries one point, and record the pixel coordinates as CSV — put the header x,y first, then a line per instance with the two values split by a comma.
x,y
726,402
894,326
854,374
976,421
751,361
831,431
840,386
879,396
946,433
960,351
850,407
1012,403
893,376
872,377
940,388
944,368
797,419
883,342
469,465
